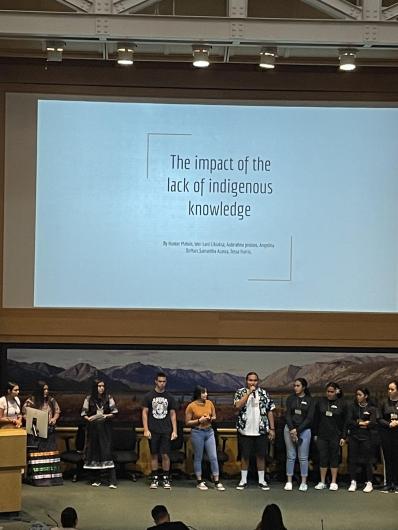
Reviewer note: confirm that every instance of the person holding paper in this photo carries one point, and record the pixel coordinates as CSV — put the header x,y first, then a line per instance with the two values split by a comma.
x,y
98,410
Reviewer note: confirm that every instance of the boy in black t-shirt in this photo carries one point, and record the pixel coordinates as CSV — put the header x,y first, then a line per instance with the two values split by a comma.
x,y
160,427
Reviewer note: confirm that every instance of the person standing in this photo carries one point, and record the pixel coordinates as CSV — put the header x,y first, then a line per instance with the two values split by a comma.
x,y
329,431
10,407
44,465
199,415
99,408
160,428
297,433
361,425
389,437
254,423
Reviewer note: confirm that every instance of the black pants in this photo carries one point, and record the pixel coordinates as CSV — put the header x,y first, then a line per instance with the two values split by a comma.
x,y
96,475
389,443
360,454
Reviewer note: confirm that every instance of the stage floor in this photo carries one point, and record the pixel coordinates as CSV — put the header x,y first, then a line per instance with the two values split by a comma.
x,y
128,507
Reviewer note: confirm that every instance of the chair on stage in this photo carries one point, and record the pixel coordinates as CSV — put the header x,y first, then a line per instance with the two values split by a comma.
x,y
75,456
126,450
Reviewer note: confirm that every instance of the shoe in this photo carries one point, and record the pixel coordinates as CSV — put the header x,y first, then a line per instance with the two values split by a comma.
x,y
368,487
241,486
320,486
219,486
154,483
353,486
96,484
264,486
288,486
303,487
112,486
333,486
166,483
202,485
386,488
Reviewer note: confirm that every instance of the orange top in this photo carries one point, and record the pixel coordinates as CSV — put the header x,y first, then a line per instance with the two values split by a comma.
x,y
196,410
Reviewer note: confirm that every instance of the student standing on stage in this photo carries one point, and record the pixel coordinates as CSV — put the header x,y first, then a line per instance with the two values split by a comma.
x,y
389,437
199,415
99,408
329,429
254,423
361,425
297,432
44,465
160,427
10,407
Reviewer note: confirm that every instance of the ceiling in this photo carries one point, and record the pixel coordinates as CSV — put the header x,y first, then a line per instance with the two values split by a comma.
x,y
302,31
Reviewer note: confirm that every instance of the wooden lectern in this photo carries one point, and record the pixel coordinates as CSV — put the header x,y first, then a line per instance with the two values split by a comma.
x,y
12,460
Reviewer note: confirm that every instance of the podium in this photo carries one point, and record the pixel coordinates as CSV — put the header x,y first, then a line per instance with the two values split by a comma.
x,y
12,460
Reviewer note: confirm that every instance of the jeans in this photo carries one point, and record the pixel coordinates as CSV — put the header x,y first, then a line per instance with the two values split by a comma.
x,y
204,439
302,449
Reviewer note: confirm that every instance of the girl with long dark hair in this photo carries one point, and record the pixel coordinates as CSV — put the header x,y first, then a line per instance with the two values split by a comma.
x,y
98,410
10,407
271,519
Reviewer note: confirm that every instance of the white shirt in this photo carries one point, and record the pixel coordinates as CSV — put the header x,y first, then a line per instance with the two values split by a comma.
x,y
253,416
11,408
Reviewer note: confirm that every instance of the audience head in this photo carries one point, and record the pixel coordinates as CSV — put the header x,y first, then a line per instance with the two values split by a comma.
x,y
333,391
69,518
200,392
300,386
272,518
160,514
393,389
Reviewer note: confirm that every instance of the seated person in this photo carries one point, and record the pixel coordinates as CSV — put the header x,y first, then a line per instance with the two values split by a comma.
x,y
162,520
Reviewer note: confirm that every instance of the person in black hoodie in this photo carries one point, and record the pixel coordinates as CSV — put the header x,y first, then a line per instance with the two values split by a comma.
x,y
297,432
361,424
389,437
330,432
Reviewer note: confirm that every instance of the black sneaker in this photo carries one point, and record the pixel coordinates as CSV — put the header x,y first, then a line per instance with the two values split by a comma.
x,y
154,483
166,483
264,486
241,485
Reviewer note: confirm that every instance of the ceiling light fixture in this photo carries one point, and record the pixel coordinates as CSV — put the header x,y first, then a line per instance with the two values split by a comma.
x,y
125,54
200,56
347,60
267,58
54,51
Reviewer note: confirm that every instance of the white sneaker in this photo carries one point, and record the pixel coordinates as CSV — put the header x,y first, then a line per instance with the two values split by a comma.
x,y
264,486
353,486
368,487
202,486
333,486
219,486
241,485
320,486
96,484
113,486
303,487
288,486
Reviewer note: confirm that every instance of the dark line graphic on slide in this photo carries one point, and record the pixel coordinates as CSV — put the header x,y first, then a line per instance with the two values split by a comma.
x,y
279,279
148,137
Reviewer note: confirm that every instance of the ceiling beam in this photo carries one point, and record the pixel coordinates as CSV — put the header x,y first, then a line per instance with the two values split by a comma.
x,y
82,6
391,12
337,8
237,8
132,6
213,30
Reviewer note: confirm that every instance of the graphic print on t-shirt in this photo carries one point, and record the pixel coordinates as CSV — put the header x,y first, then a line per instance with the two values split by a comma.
x,y
159,407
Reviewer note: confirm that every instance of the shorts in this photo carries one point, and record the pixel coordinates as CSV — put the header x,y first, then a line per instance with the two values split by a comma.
x,y
159,443
329,452
249,445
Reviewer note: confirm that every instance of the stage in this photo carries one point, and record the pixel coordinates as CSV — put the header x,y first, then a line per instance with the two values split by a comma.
x,y
128,507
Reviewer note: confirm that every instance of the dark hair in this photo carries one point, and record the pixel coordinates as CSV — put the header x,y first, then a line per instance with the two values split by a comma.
x,y
364,390
336,386
251,373
198,391
394,382
159,511
10,386
69,517
94,390
160,374
38,396
304,384
271,519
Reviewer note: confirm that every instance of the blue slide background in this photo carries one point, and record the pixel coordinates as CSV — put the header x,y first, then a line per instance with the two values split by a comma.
x,y
109,233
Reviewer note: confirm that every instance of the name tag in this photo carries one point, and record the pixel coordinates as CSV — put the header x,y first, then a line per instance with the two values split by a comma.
x,y
297,411
394,416
328,413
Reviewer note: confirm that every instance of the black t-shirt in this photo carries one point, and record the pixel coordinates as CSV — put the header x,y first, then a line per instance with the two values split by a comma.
x,y
159,405
176,525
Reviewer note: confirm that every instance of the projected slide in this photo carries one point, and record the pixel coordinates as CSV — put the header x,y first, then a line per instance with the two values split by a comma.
x,y
144,205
